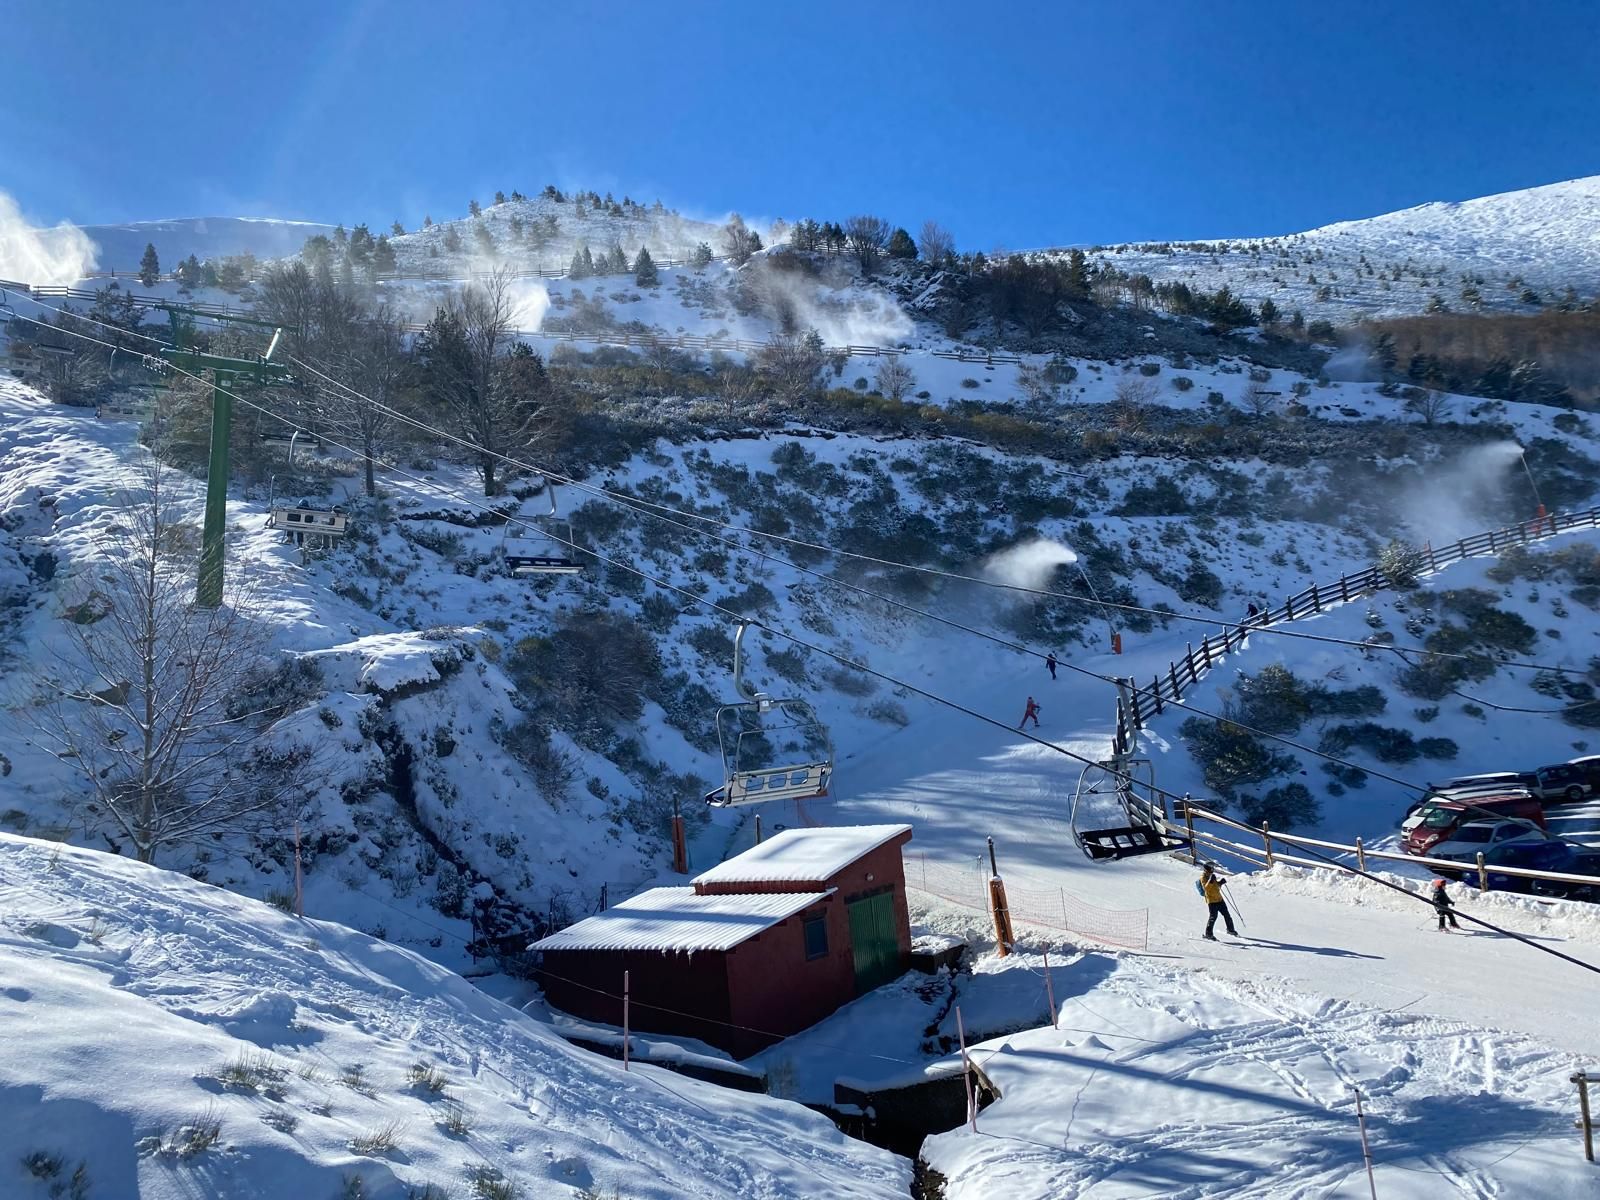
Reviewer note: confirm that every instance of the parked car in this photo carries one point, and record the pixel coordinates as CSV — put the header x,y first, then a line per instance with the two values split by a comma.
x,y
1551,854
1487,779
1439,816
1589,765
1576,862
1471,794
1563,782
1473,838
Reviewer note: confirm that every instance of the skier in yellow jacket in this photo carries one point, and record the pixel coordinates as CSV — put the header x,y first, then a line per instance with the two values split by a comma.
x,y
1210,886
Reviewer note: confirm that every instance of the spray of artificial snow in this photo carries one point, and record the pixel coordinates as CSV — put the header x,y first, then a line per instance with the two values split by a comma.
x,y
60,256
1029,564
530,301
1466,493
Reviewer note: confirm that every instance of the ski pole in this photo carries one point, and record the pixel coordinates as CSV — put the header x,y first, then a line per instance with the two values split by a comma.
x,y
1235,906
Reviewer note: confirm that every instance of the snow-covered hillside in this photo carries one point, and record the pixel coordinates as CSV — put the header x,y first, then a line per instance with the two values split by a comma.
x,y
1518,251
168,1039
119,247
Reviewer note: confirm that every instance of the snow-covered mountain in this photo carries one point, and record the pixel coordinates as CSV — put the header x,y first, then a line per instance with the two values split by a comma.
x,y
1516,251
119,247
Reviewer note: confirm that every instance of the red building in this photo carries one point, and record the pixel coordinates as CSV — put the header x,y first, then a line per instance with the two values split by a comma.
x,y
760,947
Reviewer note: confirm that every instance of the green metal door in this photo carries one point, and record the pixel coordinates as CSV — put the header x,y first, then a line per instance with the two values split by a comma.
x,y
873,940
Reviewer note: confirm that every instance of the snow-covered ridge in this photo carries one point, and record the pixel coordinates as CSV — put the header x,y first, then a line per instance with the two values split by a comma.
x,y
121,246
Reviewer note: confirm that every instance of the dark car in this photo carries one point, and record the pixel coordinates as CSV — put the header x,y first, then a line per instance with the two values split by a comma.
x,y
1576,862
1561,782
1531,856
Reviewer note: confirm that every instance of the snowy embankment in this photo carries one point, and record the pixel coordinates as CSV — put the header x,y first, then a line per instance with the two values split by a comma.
x,y
176,1040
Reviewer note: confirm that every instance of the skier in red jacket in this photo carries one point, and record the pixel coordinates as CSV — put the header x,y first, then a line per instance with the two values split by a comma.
x,y
1030,713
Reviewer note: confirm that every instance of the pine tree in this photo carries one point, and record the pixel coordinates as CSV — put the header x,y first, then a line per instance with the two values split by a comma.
x,y
644,269
901,245
499,197
701,257
617,260
427,221
397,229
149,266
383,259
1269,312
474,208
582,264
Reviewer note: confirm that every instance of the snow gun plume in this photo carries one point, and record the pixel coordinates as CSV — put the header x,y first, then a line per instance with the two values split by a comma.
x,y
1457,499
60,256
1029,564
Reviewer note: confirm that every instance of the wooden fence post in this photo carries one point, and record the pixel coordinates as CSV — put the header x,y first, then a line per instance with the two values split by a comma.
x,y
1361,854
1155,690
1172,677
1188,661
1188,825
1288,609
1205,650
1344,589
1483,874
1316,600
1266,840
1582,1080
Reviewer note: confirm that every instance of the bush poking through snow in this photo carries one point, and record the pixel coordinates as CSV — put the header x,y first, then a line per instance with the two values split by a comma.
x,y
375,1143
454,1118
427,1078
195,1138
1401,565
490,1183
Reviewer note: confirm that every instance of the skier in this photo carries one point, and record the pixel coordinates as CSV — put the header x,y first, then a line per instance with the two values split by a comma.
x,y
1442,904
1030,713
1253,609
1050,662
1209,885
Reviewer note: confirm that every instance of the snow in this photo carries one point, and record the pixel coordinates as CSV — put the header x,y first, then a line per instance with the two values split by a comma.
x,y
121,246
681,919
802,855
137,1002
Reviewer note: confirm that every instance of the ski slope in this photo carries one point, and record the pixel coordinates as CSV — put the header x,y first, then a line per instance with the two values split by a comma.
x,y
139,1005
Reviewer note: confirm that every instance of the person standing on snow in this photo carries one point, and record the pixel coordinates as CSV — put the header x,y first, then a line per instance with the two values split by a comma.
x,y
1442,904
1030,713
1050,662
1209,886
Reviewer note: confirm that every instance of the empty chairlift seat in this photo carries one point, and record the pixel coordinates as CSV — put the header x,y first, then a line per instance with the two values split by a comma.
x,y
314,526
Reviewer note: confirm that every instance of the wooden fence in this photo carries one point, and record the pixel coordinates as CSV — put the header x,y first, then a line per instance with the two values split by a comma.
x,y
1142,701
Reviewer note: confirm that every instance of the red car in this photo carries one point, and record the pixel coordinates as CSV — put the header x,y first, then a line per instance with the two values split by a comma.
x,y
1440,816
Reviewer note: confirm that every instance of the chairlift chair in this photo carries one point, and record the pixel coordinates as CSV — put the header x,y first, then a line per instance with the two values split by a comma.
x,y
539,547
753,769
316,528
1142,834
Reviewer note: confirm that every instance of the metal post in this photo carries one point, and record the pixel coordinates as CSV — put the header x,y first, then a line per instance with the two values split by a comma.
x,y
966,1074
1050,991
1582,1080
208,592
625,1000
1366,1151
299,891
758,829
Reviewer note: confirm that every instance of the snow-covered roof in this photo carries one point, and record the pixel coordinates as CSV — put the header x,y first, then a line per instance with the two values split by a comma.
x,y
678,918
803,854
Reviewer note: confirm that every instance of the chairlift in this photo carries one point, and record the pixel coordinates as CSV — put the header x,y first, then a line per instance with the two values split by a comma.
x,y
539,547
315,528
125,409
755,769
1142,833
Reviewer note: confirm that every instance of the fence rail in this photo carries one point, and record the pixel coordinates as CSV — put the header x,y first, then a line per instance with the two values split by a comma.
x,y
1145,701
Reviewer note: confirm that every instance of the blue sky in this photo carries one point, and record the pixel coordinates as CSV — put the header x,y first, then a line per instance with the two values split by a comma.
x,y
1013,124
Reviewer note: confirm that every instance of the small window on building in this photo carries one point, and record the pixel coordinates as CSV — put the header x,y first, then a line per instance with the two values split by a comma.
x,y
816,936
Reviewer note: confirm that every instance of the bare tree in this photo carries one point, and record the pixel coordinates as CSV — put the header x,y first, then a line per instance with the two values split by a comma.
x,y
894,379
1257,400
144,701
373,369
792,362
458,354
1134,398
867,236
739,241
935,244
1431,406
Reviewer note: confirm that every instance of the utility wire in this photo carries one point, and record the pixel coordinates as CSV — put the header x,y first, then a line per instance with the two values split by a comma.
x,y
653,509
